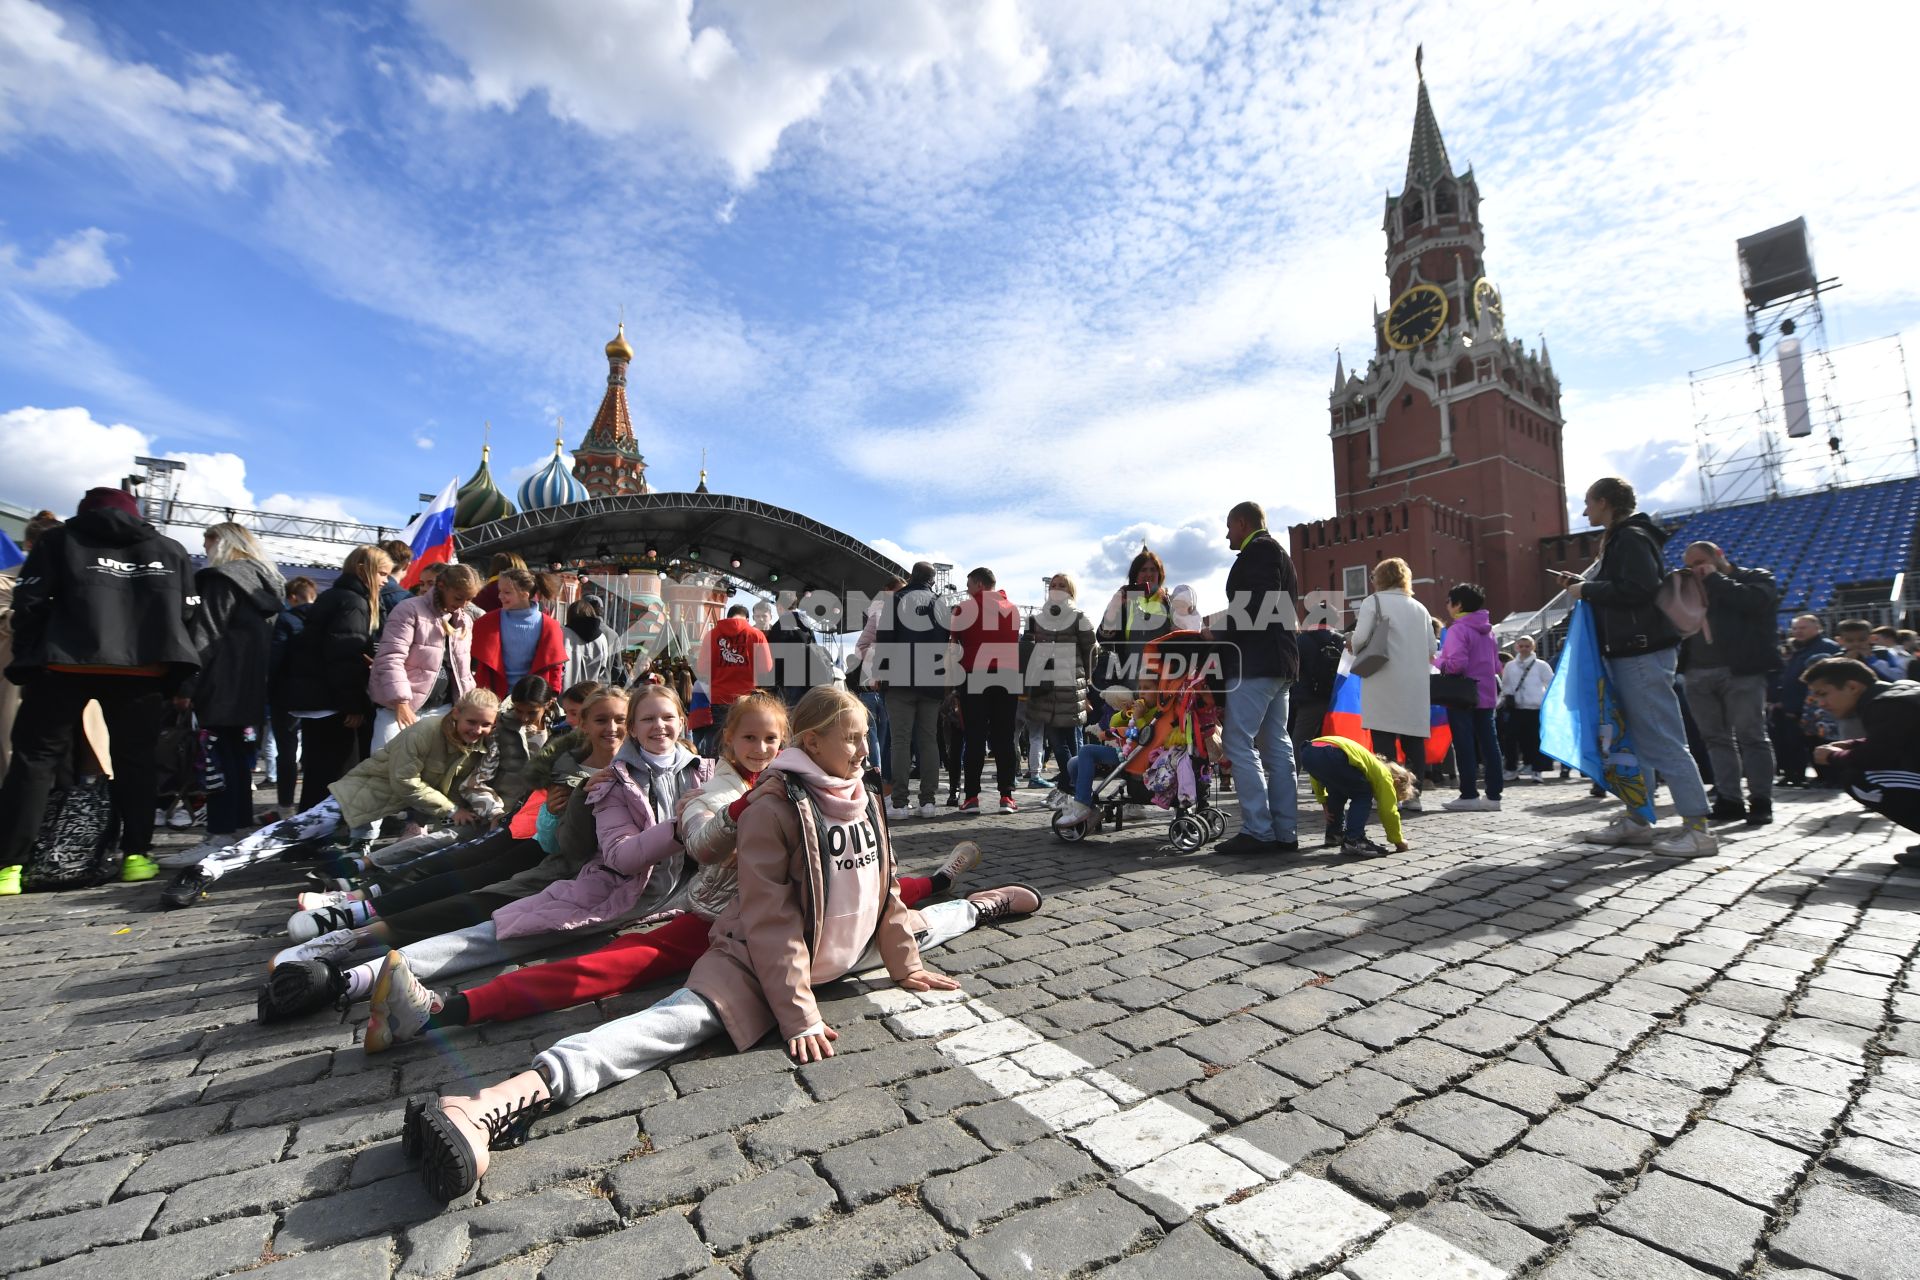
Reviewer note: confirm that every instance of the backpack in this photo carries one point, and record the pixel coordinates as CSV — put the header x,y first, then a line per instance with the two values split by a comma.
x,y
1320,663
75,846
1683,598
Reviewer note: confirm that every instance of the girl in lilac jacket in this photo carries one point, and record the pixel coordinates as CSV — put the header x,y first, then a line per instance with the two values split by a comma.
x,y
1469,650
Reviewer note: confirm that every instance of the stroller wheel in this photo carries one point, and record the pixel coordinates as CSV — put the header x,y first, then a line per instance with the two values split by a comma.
x,y
1216,822
1071,832
1187,833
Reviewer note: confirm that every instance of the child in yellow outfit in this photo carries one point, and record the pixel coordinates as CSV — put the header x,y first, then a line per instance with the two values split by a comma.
x,y
1347,778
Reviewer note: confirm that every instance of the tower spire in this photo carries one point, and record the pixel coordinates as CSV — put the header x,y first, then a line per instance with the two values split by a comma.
x,y
1427,156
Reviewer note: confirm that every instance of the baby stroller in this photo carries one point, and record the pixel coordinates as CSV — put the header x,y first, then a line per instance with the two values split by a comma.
x,y
1168,758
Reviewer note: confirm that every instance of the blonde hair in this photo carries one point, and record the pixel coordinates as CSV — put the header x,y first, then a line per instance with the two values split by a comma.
x,y
1066,585
1405,785
370,565
756,700
821,708
455,577
233,542
1393,574
599,694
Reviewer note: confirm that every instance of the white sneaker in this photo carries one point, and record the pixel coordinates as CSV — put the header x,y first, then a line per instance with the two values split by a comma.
x,y
1489,805
1687,843
304,926
336,946
964,858
899,811
1413,806
929,810
1463,804
1058,799
328,898
175,859
1623,830
179,818
401,1006
159,817
1073,813
1510,774
1527,775
1139,813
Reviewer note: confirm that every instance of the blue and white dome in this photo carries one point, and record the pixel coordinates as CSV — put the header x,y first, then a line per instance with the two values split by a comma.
x,y
553,485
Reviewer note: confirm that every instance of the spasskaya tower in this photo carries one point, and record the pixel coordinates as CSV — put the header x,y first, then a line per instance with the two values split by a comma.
x,y
1446,450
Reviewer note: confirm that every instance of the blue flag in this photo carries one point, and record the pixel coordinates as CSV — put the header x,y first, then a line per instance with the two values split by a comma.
x,y
1581,723
10,555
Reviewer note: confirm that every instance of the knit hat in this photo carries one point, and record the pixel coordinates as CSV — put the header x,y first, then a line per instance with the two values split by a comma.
x,y
104,499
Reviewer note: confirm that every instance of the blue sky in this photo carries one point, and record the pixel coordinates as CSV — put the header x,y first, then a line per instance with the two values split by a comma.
x,y
1001,282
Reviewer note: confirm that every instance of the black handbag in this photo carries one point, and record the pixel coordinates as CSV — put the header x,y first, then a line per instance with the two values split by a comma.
x,y
75,846
1462,692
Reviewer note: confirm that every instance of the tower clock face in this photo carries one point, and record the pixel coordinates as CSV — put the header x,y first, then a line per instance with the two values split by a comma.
x,y
1486,301
1415,317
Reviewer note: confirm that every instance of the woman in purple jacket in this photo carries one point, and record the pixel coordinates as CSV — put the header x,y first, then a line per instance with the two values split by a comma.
x,y
1469,650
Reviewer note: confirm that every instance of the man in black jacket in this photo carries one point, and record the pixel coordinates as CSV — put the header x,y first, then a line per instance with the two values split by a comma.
x,y
100,615
909,663
1880,769
1641,648
1261,664
1728,665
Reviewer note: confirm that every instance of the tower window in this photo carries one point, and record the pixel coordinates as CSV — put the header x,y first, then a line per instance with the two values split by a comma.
x,y
1412,213
1444,202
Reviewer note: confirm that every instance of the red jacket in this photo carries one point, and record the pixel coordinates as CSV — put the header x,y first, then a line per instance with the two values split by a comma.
x,y
991,639
549,655
734,659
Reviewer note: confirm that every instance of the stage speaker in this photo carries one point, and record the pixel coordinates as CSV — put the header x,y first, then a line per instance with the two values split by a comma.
x,y
1793,389
1776,263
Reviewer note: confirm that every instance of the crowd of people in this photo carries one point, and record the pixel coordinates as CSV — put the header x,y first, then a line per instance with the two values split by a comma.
x,y
480,781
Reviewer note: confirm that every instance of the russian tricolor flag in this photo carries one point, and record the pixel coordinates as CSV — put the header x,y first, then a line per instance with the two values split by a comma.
x,y
1343,719
431,534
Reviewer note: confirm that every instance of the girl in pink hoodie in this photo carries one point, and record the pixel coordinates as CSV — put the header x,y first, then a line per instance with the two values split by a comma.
x,y
816,901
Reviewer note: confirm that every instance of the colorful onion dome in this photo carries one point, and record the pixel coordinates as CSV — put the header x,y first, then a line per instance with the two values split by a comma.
x,y
553,485
481,501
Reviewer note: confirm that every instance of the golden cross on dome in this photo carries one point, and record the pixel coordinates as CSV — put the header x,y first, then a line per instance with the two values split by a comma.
x,y
486,438
559,430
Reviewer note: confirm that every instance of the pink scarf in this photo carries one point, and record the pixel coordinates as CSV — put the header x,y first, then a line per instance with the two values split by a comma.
x,y
840,799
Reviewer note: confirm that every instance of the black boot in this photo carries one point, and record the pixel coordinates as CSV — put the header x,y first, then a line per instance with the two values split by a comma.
x,y
300,987
1760,813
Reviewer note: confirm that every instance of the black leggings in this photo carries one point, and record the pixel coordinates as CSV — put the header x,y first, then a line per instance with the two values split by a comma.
x,y
445,915
1413,749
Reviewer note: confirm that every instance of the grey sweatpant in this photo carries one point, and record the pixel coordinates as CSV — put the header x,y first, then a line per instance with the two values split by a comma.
x,y
1731,711
475,947
589,1061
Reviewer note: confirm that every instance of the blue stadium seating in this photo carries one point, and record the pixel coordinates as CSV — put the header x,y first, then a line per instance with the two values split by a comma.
x,y
1813,542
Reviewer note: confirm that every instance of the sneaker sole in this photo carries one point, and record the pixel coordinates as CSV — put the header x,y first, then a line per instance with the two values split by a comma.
x,y
379,1036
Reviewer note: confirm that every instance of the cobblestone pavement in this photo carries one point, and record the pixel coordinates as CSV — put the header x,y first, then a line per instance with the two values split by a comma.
x,y
1501,1054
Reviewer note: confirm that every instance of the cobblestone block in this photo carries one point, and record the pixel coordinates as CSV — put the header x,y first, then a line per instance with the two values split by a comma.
x,y
207,1158
1316,1057
1735,1161
1834,1039
1230,1042
260,1190
1849,1235
1395,1170
866,1170
791,1196
722,1110
878,1240
1501,1243
85,1186
1062,1239
1355,1102
1409,1250
1713,1231
148,1133
982,1193
1186,1251
1604,1146
26,1244
1472,1126
1300,1011
663,1247
1288,1137
34,1153
1186,1180
1598,1254
1534,1191
362,1260
1810,1071
1298,1225
678,1175
1643,1102
487,1234
1688,1063
1425,1064
191,1255
316,1222
860,1113
1144,1030
1606,1025
552,1158
1530,1090
1797,1117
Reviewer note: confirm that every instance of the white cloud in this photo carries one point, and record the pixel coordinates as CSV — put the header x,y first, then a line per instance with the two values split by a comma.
x,y
56,455
72,264
423,442
58,82
732,82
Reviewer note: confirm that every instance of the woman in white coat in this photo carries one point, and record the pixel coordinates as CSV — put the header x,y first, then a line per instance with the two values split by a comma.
x,y
1396,701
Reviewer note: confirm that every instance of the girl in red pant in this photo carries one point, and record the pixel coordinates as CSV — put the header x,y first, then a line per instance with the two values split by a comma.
x,y
755,731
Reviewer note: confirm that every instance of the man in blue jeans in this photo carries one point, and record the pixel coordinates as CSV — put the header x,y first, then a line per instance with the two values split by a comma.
x,y
1261,663
1641,647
